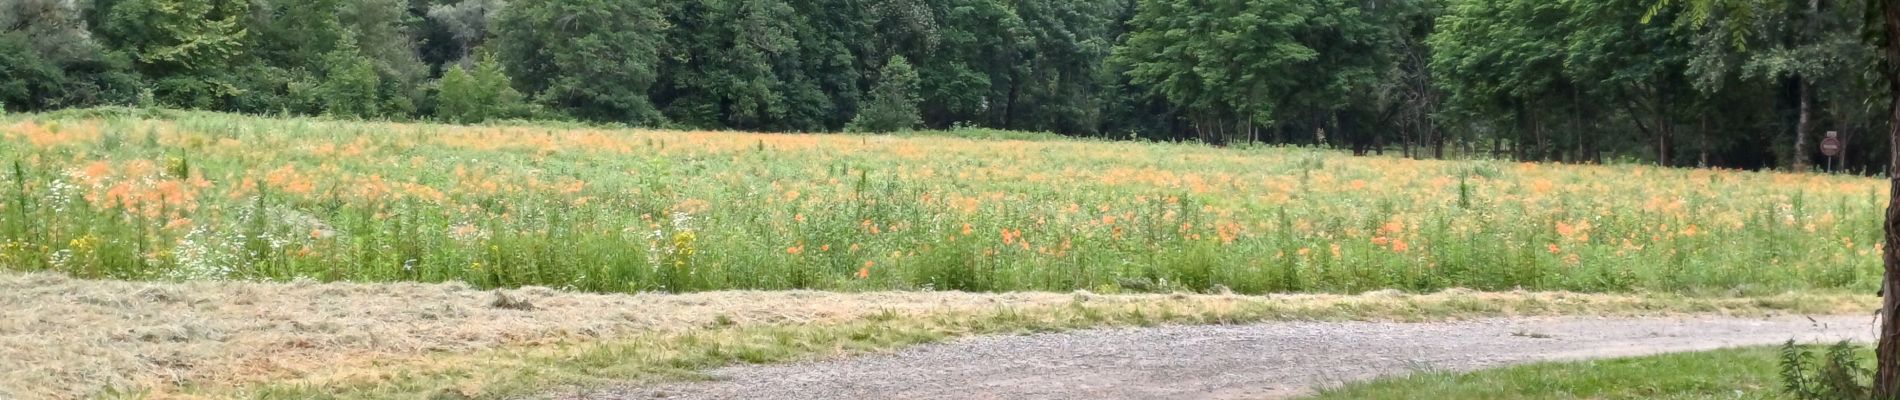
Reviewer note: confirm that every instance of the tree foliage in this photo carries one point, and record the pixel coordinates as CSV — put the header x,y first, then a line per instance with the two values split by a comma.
x,y
350,86
471,98
595,58
893,105
1563,80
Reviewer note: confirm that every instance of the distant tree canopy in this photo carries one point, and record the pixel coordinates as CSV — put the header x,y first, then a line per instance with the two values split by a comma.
x,y
1556,80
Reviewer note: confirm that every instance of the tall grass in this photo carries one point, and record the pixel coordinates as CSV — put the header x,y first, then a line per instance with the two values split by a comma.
x,y
215,196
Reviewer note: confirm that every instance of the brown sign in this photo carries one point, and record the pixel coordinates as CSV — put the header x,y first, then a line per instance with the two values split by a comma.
x,y
1831,147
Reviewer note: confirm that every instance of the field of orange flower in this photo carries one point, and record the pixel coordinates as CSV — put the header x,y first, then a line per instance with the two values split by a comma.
x,y
214,196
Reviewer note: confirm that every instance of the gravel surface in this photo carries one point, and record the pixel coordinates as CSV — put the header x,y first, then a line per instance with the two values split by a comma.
x,y
1272,360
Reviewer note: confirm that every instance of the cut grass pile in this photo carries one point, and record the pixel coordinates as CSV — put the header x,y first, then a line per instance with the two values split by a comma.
x,y
215,196
1730,374
69,338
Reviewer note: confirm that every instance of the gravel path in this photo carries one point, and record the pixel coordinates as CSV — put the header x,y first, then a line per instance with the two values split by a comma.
x,y
1272,360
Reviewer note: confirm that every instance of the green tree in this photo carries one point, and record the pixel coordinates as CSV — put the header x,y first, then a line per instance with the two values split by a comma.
x,y
350,87
1220,63
728,64
472,98
25,77
593,58
1641,67
893,105
1406,93
501,98
451,31
1237,68
183,45
1064,84
381,32
1501,58
1884,16
296,34
1814,49
458,98
968,73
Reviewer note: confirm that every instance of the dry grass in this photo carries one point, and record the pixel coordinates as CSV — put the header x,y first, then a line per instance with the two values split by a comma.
x,y
69,338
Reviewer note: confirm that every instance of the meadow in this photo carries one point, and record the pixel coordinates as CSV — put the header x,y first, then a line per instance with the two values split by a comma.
x,y
187,195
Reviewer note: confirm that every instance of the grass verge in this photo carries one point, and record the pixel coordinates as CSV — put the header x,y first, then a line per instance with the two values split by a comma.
x,y
74,338
1742,373
645,358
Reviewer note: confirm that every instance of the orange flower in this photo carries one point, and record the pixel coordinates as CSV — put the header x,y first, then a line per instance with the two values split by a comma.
x,y
96,171
1392,227
795,250
1228,232
866,271
967,229
1399,245
1553,248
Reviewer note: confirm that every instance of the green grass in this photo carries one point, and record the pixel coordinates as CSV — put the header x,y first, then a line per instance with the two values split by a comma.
x,y
1744,373
189,195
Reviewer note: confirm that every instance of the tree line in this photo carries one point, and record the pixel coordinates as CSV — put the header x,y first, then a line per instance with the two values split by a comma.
x,y
1534,80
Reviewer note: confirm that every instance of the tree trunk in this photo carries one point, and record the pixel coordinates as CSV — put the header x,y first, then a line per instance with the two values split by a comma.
x,y
1009,106
1703,145
1663,131
1405,142
1464,143
1887,370
1523,131
1537,138
1497,145
1804,125
1576,125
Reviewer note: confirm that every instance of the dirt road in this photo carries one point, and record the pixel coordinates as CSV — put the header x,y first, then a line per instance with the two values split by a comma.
x,y
1273,360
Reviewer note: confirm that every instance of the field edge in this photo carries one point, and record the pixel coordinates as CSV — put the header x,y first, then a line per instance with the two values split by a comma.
x,y
580,367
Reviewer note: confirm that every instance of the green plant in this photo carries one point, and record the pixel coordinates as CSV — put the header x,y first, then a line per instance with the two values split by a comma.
x,y
894,101
350,87
1837,375
604,209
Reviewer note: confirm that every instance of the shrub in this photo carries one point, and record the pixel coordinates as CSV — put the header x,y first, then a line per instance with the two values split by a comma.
x,y
893,105
350,87
1837,376
485,95
456,99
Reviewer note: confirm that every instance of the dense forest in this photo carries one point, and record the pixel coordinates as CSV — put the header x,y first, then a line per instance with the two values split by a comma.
x,y
1553,80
